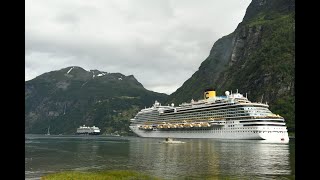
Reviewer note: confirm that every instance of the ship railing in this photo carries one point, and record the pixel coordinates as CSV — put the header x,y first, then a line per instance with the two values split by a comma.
x,y
218,121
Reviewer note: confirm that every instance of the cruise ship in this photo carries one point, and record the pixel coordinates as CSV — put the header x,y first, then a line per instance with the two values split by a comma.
x,y
88,130
231,116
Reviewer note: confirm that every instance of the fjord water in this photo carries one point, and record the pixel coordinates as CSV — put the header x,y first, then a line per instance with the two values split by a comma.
x,y
194,159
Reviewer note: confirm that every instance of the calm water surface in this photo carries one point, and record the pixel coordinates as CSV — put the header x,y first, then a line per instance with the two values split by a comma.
x,y
194,159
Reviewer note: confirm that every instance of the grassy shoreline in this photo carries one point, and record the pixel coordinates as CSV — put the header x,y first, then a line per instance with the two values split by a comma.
x,y
99,175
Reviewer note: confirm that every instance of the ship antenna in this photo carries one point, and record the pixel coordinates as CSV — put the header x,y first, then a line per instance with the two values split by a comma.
x,y
237,91
261,98
247,95
231,91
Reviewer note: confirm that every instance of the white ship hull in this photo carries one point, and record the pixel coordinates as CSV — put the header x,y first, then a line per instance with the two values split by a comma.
x,y
213,134
226,117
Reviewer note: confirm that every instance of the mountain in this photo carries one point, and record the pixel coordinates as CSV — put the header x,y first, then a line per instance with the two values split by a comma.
x,y
258,58
70,97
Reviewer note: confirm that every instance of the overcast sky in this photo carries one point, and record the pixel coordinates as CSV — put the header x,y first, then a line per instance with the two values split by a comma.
x,y
161,42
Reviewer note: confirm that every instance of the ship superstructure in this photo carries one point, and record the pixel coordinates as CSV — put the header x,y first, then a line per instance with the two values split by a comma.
x,y
88,130
231,116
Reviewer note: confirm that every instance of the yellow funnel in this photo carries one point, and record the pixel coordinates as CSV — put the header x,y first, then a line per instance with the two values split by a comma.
x,y
209,93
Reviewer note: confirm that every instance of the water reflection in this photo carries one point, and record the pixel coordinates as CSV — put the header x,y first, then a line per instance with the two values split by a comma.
x,y
200,158
52,154
195,159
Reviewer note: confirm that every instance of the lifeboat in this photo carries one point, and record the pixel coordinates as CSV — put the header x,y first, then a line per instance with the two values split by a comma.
x,y
186,125
146,127
205,124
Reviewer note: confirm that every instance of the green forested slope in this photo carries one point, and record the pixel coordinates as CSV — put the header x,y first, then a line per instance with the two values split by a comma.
x,y
258,58
64,101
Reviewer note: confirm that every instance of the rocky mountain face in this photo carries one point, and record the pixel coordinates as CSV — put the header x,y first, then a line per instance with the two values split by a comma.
x,y
70,97
258,58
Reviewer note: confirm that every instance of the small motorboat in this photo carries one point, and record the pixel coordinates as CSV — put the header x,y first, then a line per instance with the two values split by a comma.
x,y
169,140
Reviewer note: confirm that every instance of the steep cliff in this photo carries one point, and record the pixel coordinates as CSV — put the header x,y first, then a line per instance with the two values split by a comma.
x,y
258,58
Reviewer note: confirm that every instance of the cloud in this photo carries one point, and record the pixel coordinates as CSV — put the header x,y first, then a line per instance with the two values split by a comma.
x,y
161,42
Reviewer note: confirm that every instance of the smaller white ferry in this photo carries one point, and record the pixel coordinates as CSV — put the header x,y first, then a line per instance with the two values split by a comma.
x,y
88,130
